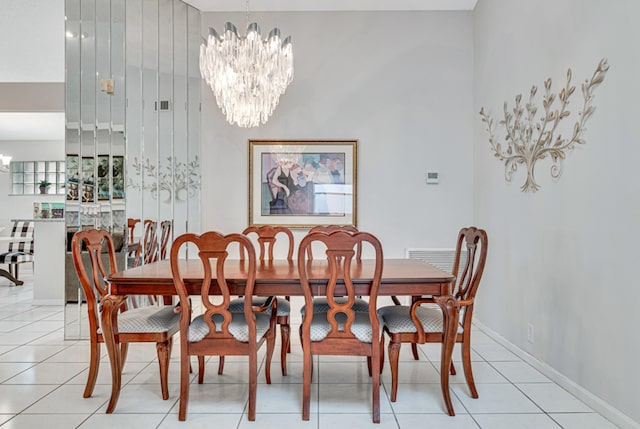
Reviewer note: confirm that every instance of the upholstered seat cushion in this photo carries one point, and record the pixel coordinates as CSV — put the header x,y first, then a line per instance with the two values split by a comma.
x,y
361,327
238,326
397,319
148,319
321,305
15,257
284,306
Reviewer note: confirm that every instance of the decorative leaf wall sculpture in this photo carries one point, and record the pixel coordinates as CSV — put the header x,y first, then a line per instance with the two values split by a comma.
x,y
530,138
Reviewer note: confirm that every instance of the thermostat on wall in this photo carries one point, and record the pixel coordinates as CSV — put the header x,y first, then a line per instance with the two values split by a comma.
x,y
433,177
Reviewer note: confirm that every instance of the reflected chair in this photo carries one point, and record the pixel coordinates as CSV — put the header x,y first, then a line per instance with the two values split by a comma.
x,y
145,253
220,332
19,252
165,235
141,325
266,240
131,227
340,330
418,324
149,243
147,249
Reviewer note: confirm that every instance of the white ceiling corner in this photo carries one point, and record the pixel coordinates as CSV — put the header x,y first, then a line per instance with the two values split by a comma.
x,y
330,5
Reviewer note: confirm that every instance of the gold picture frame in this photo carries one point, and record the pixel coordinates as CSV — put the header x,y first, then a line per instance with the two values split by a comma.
x,y
303,183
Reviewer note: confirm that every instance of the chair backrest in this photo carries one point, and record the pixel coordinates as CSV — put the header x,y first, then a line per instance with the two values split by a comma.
x,y
212,249
340,251
267,235
131,227
22,229
165,234
469,273
328,229
93,241
148,244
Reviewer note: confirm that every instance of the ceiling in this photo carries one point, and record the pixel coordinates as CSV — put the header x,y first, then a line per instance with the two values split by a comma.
x,y
50,125
329,5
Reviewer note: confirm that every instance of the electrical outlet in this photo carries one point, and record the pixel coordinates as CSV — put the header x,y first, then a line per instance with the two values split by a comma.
x,y
530,333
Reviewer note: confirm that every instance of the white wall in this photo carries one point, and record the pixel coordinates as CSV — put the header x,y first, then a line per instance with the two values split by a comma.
x,y
21,207
32,42
565,258
400,83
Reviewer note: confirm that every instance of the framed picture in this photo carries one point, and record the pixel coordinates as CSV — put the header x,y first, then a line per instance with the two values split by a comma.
x,y
73,173
118,177
88,179
103,177
302,183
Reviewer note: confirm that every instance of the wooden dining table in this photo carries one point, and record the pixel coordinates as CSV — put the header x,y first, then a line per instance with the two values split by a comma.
x,y
401,277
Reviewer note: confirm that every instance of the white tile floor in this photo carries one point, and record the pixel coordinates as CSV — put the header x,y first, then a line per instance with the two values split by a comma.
x,y
42,378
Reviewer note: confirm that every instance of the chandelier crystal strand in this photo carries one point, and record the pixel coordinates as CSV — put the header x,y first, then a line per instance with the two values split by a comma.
x,y
247,74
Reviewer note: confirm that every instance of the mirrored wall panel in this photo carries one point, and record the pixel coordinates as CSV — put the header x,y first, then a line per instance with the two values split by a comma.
x,y
132,126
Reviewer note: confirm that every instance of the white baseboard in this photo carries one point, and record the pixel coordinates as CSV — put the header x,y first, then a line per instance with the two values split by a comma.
x,y
605,409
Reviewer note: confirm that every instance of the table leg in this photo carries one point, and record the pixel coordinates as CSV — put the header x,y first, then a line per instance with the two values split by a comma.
x,y
450,312
6,274
110,307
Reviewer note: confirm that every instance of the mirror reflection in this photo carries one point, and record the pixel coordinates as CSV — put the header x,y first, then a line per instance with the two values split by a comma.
x,y
132,129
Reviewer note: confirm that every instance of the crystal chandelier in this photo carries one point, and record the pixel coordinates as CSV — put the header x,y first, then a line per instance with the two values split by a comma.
x,y
247,74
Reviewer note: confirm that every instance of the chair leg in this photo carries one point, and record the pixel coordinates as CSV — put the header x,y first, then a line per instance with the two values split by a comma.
x,y
288,298
394,356
466,365
271,345
220,365
164,352
381,353
375,388
201,368
253,385
94,365
184,385
414,350
124,348
285,335
452,369
307,371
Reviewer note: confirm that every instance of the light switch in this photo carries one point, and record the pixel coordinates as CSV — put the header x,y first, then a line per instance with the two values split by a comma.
x,y
432,177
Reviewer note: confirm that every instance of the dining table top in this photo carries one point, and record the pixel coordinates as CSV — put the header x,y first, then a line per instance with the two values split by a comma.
x,y
280,277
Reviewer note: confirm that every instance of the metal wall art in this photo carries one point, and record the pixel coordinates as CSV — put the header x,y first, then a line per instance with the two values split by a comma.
x,y
530,138
178,180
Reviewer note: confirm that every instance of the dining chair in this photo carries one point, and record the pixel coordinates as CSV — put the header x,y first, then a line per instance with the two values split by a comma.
x,y
145,252
165,235
320,303
267,236
19,252
220,332
147,248
140,325
340,330
131,227
419,324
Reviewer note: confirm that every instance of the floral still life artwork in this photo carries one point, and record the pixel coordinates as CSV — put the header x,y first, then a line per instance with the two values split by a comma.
x,y
302,182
